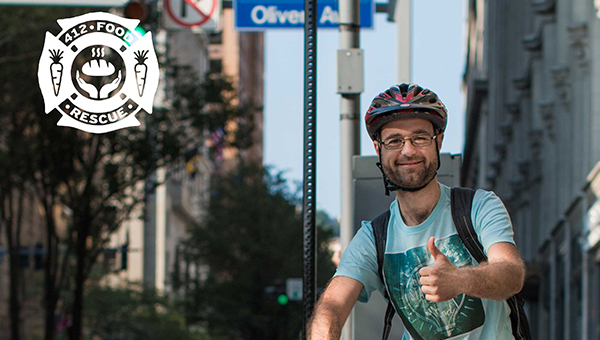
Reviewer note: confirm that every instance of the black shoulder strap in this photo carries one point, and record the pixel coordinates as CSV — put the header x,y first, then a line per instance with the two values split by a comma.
x,y
462,201
380,226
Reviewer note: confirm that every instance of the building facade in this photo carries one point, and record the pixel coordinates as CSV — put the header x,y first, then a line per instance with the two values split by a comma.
x,y
532,84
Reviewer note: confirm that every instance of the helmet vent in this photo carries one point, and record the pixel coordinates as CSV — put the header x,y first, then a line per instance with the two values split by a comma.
x,y
403,89
417,89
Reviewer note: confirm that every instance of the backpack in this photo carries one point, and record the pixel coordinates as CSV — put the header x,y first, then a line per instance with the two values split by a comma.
x,y
461,202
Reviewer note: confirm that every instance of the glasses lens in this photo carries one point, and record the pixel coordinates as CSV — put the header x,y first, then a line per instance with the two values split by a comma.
x,y
393,143
421,140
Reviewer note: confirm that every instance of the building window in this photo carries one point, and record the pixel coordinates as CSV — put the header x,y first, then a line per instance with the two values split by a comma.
x,y
544,313
575,311
559,298
594,297
216,66
215,38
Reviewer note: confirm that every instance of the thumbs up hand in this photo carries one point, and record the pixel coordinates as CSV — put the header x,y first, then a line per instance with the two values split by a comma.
x,y
440,282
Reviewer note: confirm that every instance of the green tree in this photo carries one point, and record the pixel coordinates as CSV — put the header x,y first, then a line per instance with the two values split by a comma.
x,y
325,222
131,314
96,177
250,240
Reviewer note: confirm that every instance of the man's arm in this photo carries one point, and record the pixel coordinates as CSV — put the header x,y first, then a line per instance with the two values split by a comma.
x,y
333,308
497,279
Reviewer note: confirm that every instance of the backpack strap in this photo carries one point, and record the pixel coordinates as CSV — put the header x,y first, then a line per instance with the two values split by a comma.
x,y
387,320
461,202
380,226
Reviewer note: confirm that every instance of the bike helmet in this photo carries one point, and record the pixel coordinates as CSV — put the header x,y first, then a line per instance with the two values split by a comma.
x,y
405,101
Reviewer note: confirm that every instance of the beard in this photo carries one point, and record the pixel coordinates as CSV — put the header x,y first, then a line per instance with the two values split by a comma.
x,y
412,178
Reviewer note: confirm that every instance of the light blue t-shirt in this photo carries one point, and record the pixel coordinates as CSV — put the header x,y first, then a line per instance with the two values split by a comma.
x,y
463,317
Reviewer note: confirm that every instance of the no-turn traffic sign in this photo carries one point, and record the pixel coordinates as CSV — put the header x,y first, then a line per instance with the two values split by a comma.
x,y
186,14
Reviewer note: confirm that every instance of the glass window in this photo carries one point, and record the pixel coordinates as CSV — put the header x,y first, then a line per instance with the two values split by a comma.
x,y
594,297
559,299
216,65
576,288
545,302
215,38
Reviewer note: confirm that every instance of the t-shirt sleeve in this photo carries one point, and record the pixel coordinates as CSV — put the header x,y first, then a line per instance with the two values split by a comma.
x,y
491,220
359,262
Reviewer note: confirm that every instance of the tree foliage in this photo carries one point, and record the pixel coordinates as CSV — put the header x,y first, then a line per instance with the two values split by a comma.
x,y
250,240
130,314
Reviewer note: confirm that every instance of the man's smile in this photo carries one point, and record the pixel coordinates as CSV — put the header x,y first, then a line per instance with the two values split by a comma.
x,y
409,164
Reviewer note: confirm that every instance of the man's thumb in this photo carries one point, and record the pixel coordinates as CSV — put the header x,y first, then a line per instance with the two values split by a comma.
x,y
435,252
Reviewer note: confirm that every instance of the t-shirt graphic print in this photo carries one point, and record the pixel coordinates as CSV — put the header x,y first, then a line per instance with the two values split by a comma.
x,y
428,320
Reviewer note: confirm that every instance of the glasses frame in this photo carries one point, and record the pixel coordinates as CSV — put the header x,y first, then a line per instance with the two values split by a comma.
x,y
412,141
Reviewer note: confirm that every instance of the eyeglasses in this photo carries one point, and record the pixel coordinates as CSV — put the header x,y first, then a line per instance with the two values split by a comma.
x,y
418,141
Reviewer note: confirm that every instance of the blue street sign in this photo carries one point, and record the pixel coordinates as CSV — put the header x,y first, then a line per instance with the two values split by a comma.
x,y
260,15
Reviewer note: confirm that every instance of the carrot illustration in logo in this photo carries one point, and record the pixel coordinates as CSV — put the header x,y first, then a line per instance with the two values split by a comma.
x,y
56,69
140,70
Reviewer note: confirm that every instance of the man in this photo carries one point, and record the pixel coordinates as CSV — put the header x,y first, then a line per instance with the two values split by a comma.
x,y
430,275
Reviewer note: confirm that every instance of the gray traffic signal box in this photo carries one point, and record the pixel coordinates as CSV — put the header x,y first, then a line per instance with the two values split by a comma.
x,y
369,201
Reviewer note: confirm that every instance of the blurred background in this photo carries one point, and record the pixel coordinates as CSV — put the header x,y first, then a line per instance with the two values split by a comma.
x,y
190,225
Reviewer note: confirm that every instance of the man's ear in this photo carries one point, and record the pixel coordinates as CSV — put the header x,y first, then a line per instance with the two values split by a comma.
x,y
376,146
440,138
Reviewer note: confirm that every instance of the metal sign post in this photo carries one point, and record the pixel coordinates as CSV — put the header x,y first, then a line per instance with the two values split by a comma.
x,y
309,200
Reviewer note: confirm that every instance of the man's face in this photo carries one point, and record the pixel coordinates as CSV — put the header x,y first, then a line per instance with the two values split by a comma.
x,y
410,166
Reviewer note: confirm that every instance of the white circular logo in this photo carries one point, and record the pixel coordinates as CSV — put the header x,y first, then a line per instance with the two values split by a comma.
x,y
98,72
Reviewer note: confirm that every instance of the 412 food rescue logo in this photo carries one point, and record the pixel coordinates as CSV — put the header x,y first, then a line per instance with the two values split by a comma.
x,y
98,72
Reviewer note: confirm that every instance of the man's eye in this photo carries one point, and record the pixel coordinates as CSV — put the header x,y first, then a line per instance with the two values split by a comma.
x,y
393,141
420,139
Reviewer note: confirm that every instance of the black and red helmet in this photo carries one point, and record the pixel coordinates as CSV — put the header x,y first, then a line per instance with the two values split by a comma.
x,y
405,101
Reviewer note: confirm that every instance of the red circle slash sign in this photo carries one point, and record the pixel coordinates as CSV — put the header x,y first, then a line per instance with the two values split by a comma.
x,y
186,5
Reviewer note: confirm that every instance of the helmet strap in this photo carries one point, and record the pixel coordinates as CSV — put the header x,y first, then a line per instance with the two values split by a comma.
x,y
437,148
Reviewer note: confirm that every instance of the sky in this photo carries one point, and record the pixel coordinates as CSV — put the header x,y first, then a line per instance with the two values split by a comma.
x,y
438,55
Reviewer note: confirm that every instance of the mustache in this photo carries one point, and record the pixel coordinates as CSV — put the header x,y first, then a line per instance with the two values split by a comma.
x,y
408,160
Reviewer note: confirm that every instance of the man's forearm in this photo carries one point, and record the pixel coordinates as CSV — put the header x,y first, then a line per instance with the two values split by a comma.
x,y
493,280
333,307
325,324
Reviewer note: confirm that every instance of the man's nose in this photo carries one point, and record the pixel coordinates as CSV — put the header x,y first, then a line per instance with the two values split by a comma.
x,y
408,149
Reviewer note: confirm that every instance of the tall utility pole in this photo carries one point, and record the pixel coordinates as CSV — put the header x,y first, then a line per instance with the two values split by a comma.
x,y
402,17
349,85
